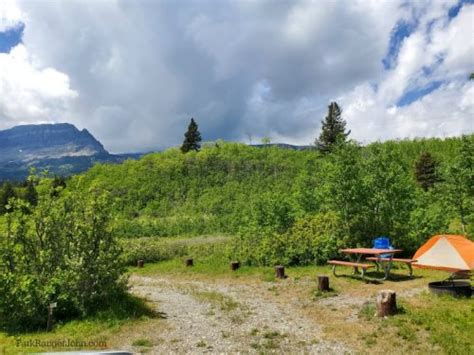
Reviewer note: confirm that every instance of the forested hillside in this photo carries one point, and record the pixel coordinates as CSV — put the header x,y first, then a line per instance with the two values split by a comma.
x,y
273,197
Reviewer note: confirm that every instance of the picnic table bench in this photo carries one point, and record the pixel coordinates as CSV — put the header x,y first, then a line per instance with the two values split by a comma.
x,y
408,262
364,267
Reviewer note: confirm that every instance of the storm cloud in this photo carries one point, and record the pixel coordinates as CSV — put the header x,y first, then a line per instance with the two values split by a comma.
x,y
134,72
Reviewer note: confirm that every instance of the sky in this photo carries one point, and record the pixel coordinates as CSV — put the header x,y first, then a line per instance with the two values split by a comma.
x,y
134,72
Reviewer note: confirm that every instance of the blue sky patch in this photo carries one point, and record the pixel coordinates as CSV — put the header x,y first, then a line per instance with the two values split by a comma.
x,y
401,31
418,93
453,11
11,38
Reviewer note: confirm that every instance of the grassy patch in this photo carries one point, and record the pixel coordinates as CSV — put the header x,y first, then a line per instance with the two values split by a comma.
x,y
225,303
367,311
142,342
318,294
446,322
106,329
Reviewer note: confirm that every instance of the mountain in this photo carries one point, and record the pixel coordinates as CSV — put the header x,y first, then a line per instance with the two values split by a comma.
x,y
59,148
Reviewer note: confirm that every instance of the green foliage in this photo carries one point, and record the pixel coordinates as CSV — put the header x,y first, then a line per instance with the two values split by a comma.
x,y
192,138
274,199
154,249
62,251
458,186
6,193
310,240
333,131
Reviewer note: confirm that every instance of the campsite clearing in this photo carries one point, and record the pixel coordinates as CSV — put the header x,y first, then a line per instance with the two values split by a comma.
x,y
209,308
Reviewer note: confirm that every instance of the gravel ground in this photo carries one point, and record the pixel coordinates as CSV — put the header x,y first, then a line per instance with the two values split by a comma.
x,y
222,317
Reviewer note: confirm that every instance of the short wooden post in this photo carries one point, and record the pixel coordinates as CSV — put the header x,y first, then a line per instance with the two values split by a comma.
x,y
49,324
140,263
234,265
323,283
280,272
386,303
189,262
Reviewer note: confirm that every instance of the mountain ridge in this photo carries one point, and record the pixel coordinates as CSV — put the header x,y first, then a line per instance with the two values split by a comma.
x,y
59,148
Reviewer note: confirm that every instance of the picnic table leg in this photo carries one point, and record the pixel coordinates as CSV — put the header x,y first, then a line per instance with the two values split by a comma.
x,y
387,267
356,269
334,270
411,270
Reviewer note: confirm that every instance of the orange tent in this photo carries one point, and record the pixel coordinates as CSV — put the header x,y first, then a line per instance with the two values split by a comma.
x,y
446,252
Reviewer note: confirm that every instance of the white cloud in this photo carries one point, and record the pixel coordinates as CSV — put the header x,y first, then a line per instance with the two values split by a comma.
x,y
29,94
449,110
133,73
10,15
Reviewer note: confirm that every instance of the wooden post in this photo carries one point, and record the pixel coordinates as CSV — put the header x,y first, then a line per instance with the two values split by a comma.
x,y
280,272
323,283
140,263
234,265
49,324
386,303
189,262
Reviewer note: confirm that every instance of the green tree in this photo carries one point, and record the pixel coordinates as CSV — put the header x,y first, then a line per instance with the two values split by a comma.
x,y
426,173
192,138
458,178
333,129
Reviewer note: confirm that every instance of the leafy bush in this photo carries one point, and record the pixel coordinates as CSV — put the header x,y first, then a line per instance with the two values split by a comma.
x,y
312,239
63,252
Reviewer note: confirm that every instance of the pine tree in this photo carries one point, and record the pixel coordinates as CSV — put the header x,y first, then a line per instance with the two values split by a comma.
x,y
426,171
191,138
333,130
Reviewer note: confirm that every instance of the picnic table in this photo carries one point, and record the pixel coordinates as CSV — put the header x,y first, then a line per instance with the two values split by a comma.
x,y
383,256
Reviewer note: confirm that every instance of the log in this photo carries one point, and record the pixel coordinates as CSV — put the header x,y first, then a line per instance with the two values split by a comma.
x,y
189,262
323,283
386,303
234,265
280,272
140,263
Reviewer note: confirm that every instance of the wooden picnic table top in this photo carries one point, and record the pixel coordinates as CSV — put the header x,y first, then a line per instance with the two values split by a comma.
x,y
371,251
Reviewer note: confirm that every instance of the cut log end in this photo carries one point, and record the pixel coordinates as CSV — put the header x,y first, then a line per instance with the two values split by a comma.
x,y
386,303
323,283
280,272
234,265
140,263
189,262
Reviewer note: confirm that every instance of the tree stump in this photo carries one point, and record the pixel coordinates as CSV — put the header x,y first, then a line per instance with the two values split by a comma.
x,y
386,303
234,265
280,272
189,262
323,283
140,263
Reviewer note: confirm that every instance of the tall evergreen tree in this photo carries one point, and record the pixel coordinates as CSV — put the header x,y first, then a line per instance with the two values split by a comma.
x,y
333,130
192,138
426,171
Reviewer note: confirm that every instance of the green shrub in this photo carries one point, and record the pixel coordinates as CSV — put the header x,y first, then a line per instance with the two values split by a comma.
x,y
63,251
312,239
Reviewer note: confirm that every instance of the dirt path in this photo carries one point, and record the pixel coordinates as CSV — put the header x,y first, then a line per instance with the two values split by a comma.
x,y
225,317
